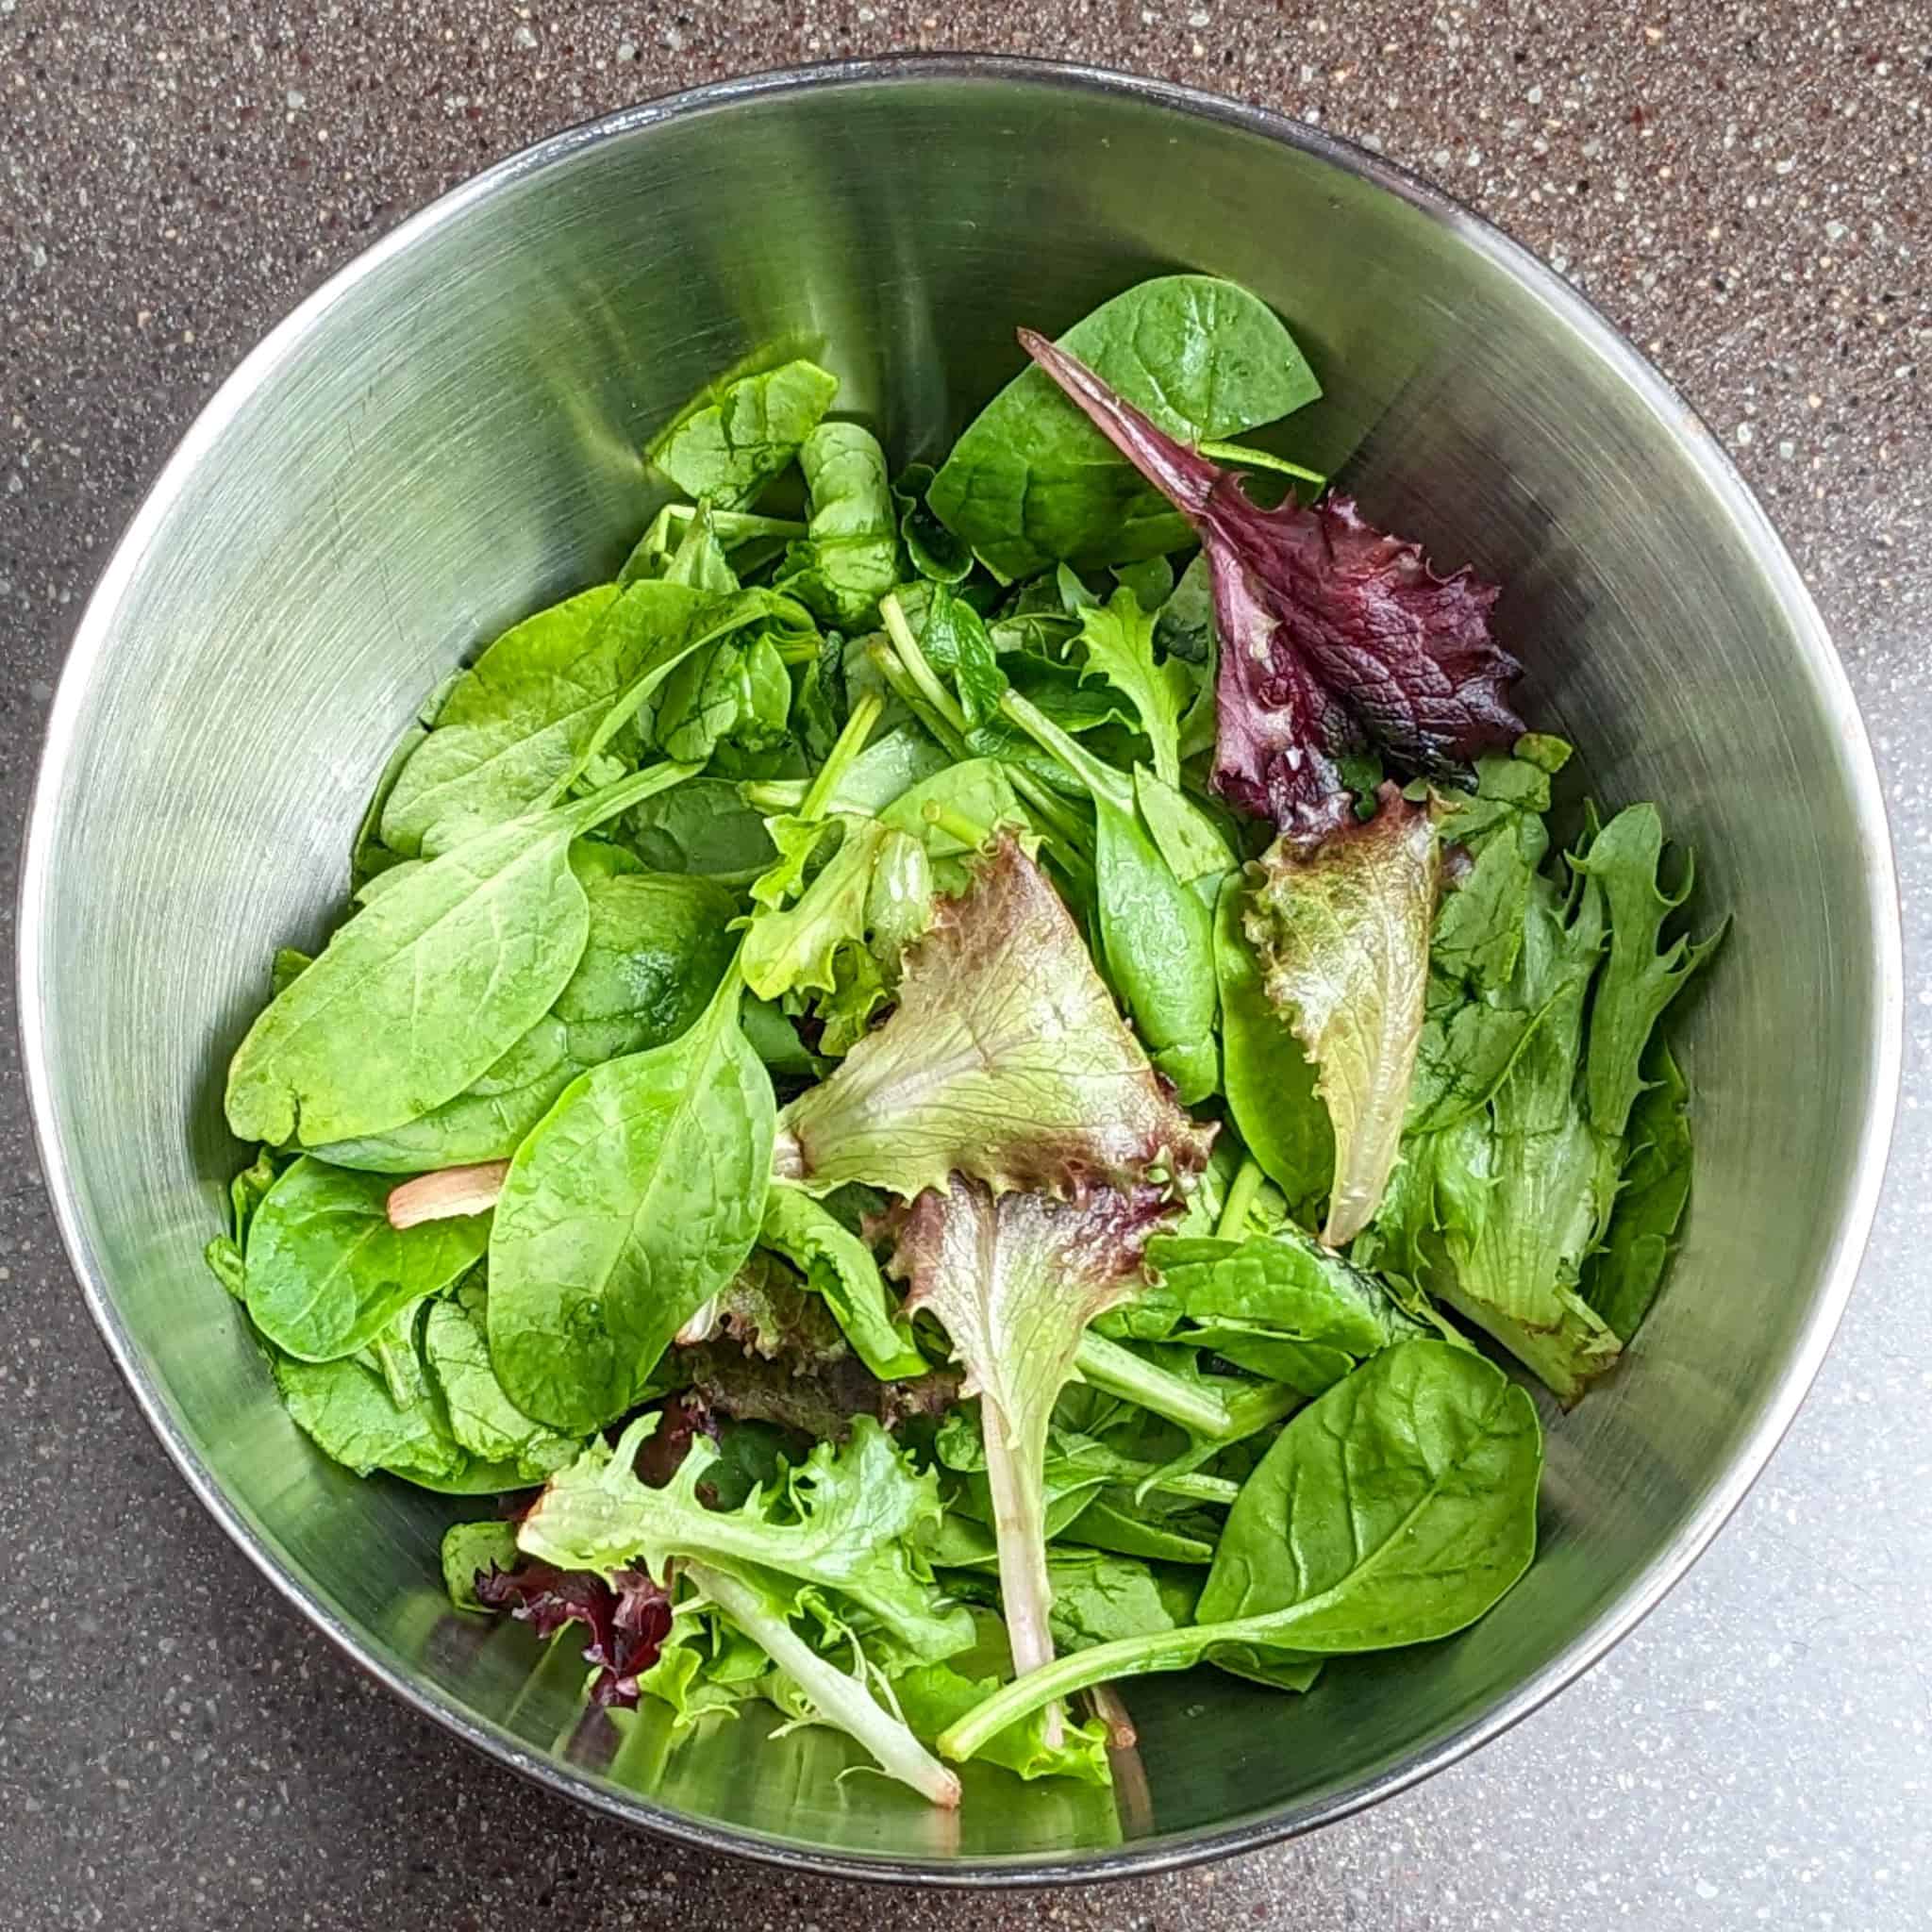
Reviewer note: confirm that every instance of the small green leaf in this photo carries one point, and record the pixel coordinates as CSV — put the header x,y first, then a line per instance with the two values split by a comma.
x,y
637,1200
736,434
326,1271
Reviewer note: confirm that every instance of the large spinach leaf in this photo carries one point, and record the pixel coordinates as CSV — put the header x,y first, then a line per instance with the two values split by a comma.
x,y
656,950
326,1273
427,987
636,1199
1032,481
1395,1510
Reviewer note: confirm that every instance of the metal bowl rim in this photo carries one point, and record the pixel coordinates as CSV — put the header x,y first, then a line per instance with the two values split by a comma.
x,y
1582,319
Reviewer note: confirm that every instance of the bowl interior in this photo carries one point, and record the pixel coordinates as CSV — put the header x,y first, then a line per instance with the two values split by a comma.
x,y
447,437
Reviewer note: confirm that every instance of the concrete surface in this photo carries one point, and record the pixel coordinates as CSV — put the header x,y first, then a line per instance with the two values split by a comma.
x,y
1743,187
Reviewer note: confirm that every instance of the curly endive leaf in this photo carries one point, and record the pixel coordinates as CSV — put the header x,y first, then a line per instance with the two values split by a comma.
x,y
854,1519
1341,926
1004,1060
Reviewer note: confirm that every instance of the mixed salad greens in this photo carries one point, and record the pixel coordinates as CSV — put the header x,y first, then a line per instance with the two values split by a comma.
x,y
936,1087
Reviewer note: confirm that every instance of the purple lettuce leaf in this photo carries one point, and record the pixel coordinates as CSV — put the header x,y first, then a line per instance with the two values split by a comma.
x,y
627,1617
1331,630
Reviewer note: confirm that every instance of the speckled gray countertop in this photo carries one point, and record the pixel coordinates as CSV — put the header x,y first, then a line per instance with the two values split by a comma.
x,y
1747,189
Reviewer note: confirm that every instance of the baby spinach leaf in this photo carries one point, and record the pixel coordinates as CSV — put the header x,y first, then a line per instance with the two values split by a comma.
x,y
428,987
1269,1080
655,950
932,549
850,557
1151,580
839,1267
1395,1510
1622,1277
1284,1280
636,1200
481,1417
326,1273
1341,928
368,856
704,827
1004,1059
1031,481
512,725
346,1410
736,434
735,688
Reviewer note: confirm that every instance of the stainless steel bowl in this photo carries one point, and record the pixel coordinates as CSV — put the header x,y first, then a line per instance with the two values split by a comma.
x,y
446,436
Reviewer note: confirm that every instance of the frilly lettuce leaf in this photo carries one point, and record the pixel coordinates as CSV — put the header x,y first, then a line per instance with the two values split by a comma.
x,y
1340,925
849,1521
1004,1060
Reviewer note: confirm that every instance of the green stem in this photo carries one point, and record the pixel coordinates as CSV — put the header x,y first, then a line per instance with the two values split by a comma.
x,y
1258,460
772,794
588,813
847,746
1100,779
1066,840
891,667
1122,1372
1046,807
1127,1656
1250,1409
838,1699
955,826
917,667
1240,1198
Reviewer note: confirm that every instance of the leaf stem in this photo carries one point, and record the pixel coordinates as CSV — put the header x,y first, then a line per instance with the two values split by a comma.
x,y
1120,1372
845,748
918,668
1100,779
928,681
1019,1528
1240,1199
1258,460
838,1699
1127,1656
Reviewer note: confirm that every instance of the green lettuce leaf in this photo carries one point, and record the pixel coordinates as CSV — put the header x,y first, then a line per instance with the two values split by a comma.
x,y
1341,926
1621,1279
1625,862
1004,1060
